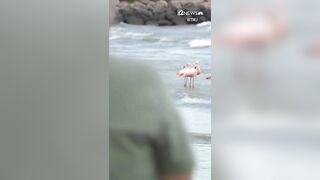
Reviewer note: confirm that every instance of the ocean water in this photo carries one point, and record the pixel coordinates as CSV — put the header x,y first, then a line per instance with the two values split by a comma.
x,y
166,49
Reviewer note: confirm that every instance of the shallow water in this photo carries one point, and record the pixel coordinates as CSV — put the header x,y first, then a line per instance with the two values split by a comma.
x,y
167,49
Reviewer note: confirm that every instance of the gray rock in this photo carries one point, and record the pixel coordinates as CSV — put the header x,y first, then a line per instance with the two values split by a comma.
x,y
160,6
160,15
188,5
162,12
134,20
174,18
152,22
151,5
125,9
142,11
144,1
176,5
164,23
206,8
202,19
179,21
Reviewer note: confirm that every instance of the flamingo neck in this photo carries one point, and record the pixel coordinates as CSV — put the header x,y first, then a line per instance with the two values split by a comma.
x,y
198,70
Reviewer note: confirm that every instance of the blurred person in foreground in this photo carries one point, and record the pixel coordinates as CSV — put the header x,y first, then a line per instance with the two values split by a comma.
x,y
147,140
250,35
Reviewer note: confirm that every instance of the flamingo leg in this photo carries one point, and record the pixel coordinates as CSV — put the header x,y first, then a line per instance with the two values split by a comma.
x,y
193,82
190,85
185,81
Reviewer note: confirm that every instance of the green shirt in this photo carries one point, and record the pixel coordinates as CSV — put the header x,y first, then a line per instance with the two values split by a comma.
x,y
146,135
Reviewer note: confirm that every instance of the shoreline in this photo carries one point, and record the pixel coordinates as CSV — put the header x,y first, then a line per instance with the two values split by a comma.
x,y
163,12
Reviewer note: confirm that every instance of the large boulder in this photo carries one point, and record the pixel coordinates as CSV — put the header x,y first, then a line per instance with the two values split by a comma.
x,y
176,20
188,5
175,5
151,5
164,22
152,22
160,7
134,20
144,1
141,10
179,21
207,9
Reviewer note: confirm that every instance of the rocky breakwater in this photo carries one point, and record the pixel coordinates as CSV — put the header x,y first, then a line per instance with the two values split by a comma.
x,y
163,12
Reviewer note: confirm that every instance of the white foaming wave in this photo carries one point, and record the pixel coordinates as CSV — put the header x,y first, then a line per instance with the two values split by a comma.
x,y
114,37
200,43
137,35
141,36
166,39
189,100
120,33
206,23
116,33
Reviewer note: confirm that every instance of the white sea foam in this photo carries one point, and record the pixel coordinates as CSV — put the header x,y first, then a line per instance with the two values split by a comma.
x,y
200,43
119,32
137,35
189,100
166,39
114,37
206,23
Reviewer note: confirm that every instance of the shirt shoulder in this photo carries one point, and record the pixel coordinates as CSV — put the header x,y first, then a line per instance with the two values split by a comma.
x,y
134,92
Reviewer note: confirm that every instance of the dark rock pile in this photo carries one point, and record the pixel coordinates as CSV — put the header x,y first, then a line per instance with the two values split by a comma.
x,y
163,12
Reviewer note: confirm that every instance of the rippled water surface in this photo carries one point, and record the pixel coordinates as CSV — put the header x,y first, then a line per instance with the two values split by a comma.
x,y
166,49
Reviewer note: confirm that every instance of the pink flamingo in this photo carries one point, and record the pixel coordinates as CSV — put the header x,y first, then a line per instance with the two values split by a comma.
x,y
189,72
188,65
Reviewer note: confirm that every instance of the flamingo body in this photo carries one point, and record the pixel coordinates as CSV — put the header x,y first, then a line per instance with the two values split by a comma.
x,y
189,72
